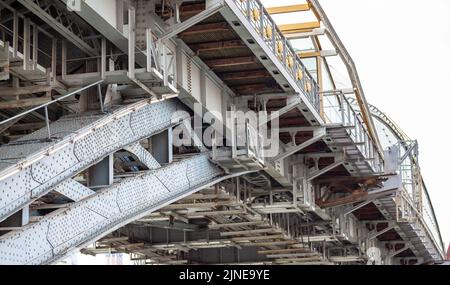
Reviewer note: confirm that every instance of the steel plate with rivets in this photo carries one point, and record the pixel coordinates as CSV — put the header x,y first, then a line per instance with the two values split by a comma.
x,y
40,167
68,229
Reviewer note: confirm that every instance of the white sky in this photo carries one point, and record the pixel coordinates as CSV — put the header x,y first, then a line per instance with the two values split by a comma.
x,y
402,52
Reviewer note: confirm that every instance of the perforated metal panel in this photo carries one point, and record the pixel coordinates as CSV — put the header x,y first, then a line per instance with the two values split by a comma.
x,y
67,229
81,148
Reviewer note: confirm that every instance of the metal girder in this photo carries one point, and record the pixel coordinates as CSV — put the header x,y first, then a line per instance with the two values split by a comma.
x,y
25,90
288,9
319,133
217,45
233,61
322,53
23,103
306,34
299,27
206,28
107,30
178,28
393,254
143,155
291,103
371,197
74,190
56,24
320,172
66,230
375,234
46,165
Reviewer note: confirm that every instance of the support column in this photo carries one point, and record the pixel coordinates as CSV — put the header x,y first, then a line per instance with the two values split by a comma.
x,y
162,147
119,15
101,174
17,220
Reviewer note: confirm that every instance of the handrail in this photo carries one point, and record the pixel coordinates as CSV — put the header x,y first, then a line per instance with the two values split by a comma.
x,y
262,22
401,136
353,73
50,102
20,15
341,111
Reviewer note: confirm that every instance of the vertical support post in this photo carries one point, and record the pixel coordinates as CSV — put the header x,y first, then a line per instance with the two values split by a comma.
x,y
26,43
15,34
295,184
203,88
177,12
19,219
288,225
162,147
54,58
119,14
179,66
100,98
102,174
341,109
103,63
35,46
64,60
131,41
261,20
320,83
47,123
233,131
165,65
271,203
238,189
214,145
149,40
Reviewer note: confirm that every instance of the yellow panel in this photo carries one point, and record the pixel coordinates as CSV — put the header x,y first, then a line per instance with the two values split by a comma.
x,y
298,28
308,54
288,9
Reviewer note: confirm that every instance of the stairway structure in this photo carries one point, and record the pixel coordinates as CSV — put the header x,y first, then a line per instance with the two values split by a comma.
x,y
95,99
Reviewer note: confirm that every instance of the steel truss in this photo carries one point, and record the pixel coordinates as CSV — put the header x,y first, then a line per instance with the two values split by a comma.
x,y
82,223
84,141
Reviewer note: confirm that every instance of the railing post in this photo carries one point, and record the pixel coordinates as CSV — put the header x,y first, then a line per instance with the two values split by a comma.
x,y
131,42
274,39
26,43
103,61
47,122
149,40
261,20
15,34
54,58
35,46
165,65
64,60
100,97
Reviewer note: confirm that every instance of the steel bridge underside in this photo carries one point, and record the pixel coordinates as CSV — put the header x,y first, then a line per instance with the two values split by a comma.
x,y
97,171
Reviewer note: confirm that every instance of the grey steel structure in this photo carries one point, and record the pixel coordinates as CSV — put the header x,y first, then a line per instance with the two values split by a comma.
x,y
93,94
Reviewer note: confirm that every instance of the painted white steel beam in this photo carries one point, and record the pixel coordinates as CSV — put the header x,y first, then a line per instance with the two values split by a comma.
x,y
45,165
66,230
